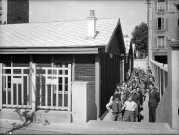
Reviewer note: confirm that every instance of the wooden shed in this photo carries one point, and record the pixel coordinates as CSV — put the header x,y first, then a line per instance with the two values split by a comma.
x,y
62,52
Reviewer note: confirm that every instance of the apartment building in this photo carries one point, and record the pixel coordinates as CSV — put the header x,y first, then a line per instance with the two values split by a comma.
x,y
163,26
0,11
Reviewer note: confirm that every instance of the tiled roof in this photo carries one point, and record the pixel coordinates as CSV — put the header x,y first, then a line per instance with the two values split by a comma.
x,y
56,34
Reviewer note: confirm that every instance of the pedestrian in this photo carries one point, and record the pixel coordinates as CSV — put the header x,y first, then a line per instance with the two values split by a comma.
x,y
129,107
115,107
117,91
142,89
154,98
128,74
149,70
136,99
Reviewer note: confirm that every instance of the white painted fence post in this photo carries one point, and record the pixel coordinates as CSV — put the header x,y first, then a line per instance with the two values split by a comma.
x,y
33,88
1,86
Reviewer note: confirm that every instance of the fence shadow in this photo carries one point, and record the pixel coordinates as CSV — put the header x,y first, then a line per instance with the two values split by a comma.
x,y
27,115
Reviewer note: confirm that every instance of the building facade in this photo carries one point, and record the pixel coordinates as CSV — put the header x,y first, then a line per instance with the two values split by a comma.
x,y
163,26
0,11
62,53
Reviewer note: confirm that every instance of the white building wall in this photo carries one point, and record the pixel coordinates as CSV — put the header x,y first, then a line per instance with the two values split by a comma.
x,y
4,11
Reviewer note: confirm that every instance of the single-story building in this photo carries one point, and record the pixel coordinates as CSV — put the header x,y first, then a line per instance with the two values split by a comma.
x,y
62,52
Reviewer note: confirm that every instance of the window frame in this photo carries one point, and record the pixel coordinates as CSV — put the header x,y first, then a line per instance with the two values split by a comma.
x,y
161,4
164,37
163,24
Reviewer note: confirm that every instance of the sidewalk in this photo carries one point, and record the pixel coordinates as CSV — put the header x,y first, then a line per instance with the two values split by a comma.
x,y
92,127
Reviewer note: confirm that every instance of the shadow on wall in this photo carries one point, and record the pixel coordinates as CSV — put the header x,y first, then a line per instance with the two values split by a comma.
x,y
91,105
163,115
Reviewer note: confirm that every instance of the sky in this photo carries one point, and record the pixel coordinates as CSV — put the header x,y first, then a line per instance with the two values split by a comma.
x,y
130,12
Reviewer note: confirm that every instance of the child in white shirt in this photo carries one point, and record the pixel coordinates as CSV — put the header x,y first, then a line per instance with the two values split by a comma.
x,y
130,107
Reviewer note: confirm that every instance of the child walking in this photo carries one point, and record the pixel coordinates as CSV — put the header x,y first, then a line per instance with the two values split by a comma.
x,y
115,107
130,107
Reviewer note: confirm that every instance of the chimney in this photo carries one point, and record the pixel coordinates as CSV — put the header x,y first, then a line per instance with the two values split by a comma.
x,y
91,24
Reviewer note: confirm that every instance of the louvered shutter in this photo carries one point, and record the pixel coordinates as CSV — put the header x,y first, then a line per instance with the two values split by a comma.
x,y
162,23
157,41
156,6
166,6
156,24
166,42
166,24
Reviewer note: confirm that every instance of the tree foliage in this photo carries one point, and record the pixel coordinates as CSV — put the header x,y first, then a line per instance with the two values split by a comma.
x,y
140,37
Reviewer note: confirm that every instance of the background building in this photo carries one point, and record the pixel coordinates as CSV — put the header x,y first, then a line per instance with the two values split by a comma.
x,y
163,26
0,10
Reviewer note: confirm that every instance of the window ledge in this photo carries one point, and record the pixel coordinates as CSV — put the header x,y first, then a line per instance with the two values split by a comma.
x,y
161,47
161,30
160,12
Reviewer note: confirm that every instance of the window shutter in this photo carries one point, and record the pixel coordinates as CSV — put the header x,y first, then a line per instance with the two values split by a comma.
x,y
166,5
162,23
166,24
157,42
166,42
156,24
156,6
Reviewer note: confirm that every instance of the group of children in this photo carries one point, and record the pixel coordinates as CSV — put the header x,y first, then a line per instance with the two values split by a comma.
x,y
127,101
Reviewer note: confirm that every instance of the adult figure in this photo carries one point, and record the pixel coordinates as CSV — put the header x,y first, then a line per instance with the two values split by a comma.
x,y
136,99
128,74
142,89
154,98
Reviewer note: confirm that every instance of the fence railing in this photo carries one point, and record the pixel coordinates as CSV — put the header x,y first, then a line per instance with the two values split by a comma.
x,y
35,87
160,72
15,87
54,88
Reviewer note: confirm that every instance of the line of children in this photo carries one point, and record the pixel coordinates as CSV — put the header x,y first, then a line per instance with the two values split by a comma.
x,y
128,98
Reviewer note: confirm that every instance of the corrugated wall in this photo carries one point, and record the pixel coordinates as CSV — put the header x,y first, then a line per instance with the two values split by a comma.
x,y
110,76
85,69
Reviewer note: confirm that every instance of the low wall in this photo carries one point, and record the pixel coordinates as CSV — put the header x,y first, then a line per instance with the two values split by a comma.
x,y
142,63
164,109
83,103
40,116
168,107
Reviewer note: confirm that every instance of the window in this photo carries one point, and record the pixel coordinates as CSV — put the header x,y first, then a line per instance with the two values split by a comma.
x,y
161,5
161,23
161,41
